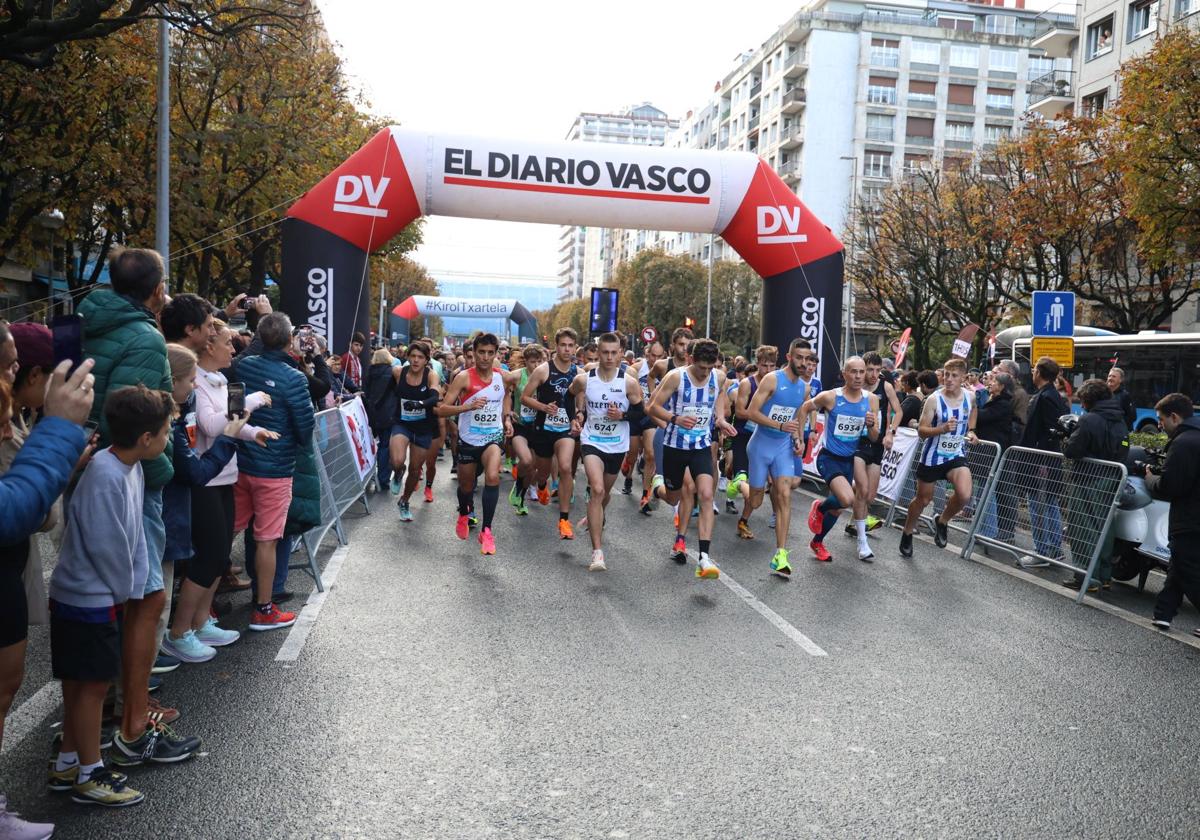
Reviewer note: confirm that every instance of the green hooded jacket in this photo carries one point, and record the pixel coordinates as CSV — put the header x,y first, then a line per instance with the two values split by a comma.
x,y
123,339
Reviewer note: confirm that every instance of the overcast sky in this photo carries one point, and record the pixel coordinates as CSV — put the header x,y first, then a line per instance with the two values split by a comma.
x,y
525,70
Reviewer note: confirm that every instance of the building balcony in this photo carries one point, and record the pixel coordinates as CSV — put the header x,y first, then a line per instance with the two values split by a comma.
x,y
755,89
1052,94
795,65
794,101
1056,39
753,123
791,138
790,171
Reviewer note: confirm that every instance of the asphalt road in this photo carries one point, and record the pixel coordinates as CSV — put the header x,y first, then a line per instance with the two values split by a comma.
x,y
441,694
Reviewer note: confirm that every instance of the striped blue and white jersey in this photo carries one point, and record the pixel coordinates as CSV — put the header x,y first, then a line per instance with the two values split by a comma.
x,y
936,451
692,400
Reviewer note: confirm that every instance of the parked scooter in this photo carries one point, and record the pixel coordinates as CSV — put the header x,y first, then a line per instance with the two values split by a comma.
x,y
1140,522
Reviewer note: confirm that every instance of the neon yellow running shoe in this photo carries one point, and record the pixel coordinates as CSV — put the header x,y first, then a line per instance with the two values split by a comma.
x,y
780,565
731,492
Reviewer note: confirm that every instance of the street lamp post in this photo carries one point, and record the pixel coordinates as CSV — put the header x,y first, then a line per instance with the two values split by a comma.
x,y
846,337
162,222
708,300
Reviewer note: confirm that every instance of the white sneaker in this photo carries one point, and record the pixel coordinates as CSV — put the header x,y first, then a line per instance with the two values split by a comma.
x,y
187,647
706,568
12,827
597,564
722,484
865,554
1028,561
214,636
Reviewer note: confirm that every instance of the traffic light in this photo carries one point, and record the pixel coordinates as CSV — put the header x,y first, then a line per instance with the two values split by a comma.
x,y
690,323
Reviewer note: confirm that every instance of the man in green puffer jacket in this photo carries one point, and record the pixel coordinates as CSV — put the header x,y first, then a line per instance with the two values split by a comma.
x,y
120,332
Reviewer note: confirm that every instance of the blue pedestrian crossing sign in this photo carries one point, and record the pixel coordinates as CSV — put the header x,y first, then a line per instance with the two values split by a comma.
x,y
1054,314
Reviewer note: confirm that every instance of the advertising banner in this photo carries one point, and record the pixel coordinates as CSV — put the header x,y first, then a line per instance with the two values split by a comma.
x,y
896,462
358,431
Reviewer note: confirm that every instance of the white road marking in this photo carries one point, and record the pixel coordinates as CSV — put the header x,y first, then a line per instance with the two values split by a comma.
x,y
24,719
298,634
808,645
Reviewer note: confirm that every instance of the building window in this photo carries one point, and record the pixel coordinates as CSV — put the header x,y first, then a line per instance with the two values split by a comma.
x,y
961,23
915,163
919,130
1094,104
1002,61
927,52
1188,7
922,94
877,165
959,131
881,91
885,52
1000,24
996,133
999,98
964,56
1039,66
881,127
961,97
1099,37
1143,17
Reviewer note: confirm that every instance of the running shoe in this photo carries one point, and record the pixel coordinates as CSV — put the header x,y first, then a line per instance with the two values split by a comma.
x,y
597,564
105,788
780,564
215,636
679,550
743,530
12,827
543,494
461,528
187,648
722,484
487,544
1076,581
158,744
514,498
1160,624
816,517
273,619
906,549
61,781
522,509
865,554
157,711
397,486
820,552
165,663
731,491
730,507
405,512
627,487
645,508
941,533
429,494
706,569
565,531
873,522
1028,561
472,519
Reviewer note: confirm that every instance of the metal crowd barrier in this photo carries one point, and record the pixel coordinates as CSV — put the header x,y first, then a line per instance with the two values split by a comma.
x,y
1043,505
982,458
341,485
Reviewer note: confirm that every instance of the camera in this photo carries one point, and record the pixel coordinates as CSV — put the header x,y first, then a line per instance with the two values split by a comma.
x,y
248,302
1151,459
1065,426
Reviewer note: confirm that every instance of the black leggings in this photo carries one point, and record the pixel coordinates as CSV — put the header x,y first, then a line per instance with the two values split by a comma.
x,y
212,533
14,610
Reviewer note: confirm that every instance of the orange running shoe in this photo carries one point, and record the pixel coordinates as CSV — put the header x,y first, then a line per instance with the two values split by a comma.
x,y
429,494
487,544
565,530
816,518
462,528
679,549
820,551
543,495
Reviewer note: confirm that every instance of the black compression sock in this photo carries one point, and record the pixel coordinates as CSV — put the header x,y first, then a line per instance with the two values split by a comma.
x,y
490,495
564,515
464,502
704,544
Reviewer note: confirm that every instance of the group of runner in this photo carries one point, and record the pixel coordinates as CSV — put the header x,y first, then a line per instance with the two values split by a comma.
x,y
690,424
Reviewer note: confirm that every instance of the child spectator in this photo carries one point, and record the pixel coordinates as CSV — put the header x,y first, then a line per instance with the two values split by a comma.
x,y
99,569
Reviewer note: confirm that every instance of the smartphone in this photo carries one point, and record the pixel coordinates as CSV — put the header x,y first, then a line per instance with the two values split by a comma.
x,y
67,332
248,302
90,428
237,399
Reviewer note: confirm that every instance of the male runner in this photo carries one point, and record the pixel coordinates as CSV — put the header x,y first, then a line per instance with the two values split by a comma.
x,y
681,340
689,399
608,402
947,421
776,437
766,358
868,458
642,436
479,398
849,411
546,393
523,431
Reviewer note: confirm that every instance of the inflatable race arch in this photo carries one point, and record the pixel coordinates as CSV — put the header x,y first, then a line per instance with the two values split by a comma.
x,y
402,174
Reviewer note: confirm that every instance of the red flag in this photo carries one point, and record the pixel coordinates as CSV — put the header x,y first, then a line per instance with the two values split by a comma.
x,y
901,347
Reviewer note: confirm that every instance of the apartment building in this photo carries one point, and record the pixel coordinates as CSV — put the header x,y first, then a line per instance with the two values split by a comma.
x,y
587,254
847,95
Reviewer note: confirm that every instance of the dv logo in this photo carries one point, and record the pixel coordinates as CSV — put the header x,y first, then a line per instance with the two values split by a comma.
x,y
351,188
772,219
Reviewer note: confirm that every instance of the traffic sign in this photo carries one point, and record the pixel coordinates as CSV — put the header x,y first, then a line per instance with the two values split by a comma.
x,y
1054,314
1061,350
649,334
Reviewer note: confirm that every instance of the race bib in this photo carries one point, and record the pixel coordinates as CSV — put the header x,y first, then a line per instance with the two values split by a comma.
x,y
950,446
557,422
528,414
781,414
703,415
645,390
848,428
412,410
603,430
485,423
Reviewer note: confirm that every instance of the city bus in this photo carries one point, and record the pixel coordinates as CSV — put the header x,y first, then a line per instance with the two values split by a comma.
x,y
1155,364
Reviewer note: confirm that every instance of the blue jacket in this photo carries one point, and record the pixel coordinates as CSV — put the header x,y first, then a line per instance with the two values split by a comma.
x,y
290,413
38,476
191,470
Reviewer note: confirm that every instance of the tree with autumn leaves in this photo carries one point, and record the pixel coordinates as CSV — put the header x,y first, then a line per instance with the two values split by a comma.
x,y
1107,208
